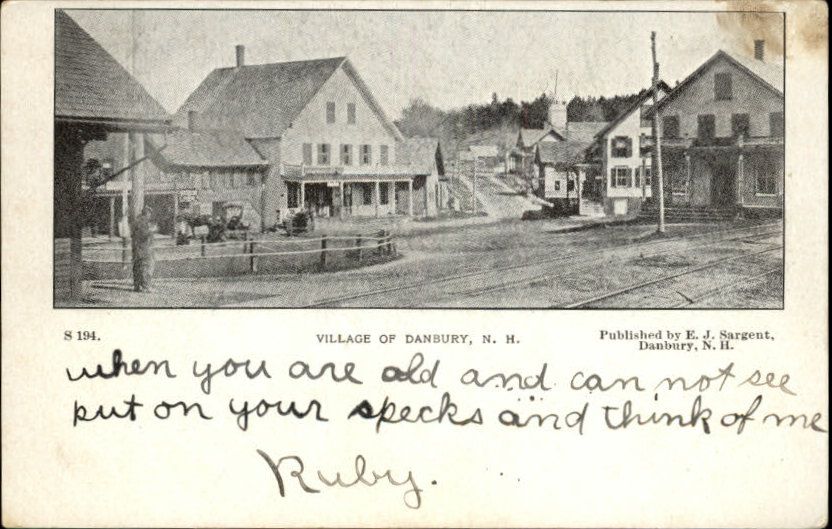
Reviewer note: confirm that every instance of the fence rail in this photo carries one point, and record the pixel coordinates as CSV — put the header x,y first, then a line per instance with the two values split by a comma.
x,y
359,246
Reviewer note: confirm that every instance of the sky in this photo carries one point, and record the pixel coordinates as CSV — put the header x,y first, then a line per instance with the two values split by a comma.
x,y
450,59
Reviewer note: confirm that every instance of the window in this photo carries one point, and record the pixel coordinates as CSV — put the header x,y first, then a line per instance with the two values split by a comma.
x,y
645,146
292,194
557,185
307,154
740,125
231,180
330,112
644,120
384,191
621,147
766,184
776,124
351,113
621,176
670,126
384,154
251,178
323,154
346,154
706,127
367,192
722,87
366,155
648,180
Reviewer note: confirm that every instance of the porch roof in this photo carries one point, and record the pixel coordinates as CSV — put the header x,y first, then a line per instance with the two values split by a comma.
x,y
387,173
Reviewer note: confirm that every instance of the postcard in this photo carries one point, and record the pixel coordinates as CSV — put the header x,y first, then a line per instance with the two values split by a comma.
x,y
400,264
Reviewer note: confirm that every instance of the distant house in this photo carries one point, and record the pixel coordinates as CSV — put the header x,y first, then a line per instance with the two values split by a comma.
x,y
329,145
621,176
95,97
519,159
560,173
722,135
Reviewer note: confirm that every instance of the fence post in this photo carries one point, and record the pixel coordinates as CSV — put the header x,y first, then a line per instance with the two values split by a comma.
x,y
253,258
380,242
202,246
389,239
323,252
358,245
124,253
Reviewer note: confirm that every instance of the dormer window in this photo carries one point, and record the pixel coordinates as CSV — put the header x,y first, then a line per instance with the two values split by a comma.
x,y
723,90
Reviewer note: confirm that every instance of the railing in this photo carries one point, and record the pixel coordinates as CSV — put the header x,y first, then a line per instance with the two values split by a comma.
x,y
356,247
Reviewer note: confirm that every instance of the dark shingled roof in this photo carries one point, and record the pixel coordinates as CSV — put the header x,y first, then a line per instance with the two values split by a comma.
x,y
91,85
563,153
581,131
262,100
185,148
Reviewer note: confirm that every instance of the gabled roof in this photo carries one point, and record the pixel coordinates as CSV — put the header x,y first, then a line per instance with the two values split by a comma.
x,y
529,137
91,85
632,108
769,75
581,131
262,100
564,153
185,148
420,154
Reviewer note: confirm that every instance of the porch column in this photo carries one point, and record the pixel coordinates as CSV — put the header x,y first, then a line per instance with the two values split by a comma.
x,y
302,202
377,197
410,198
112,216
341,200
740,177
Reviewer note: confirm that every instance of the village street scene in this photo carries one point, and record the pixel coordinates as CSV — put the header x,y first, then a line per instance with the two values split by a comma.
x,y
388,159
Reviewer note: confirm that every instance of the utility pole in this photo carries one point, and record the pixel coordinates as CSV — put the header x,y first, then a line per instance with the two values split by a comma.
x,y
474,186
657,134
136,139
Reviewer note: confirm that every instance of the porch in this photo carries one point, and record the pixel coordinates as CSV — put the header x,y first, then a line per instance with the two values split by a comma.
x,y
338,194
731,176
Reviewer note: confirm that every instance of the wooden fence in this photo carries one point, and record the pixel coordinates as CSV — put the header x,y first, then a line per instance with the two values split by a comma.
x,y
226,258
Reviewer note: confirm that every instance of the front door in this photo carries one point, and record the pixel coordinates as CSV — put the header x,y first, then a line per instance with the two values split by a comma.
x,y
723,176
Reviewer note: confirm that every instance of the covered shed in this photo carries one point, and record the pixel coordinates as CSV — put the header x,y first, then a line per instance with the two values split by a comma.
x,y
94,97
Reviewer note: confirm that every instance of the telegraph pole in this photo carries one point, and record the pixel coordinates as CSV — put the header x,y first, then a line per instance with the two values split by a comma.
x,y
135,139
657,134
474,186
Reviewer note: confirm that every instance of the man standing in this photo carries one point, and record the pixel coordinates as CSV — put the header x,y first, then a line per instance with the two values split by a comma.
x,y
142,233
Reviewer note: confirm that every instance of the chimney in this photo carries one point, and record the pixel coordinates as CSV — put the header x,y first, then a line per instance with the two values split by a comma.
x,y
193,120
760,50
241,55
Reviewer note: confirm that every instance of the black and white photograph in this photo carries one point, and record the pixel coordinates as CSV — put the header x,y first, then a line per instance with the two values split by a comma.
x,y
418,159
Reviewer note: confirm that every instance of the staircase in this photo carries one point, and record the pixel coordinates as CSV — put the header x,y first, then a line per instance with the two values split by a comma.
x,y
680,213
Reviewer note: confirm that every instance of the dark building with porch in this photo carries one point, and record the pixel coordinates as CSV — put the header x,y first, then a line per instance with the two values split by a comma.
x,y
95,97
723,137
